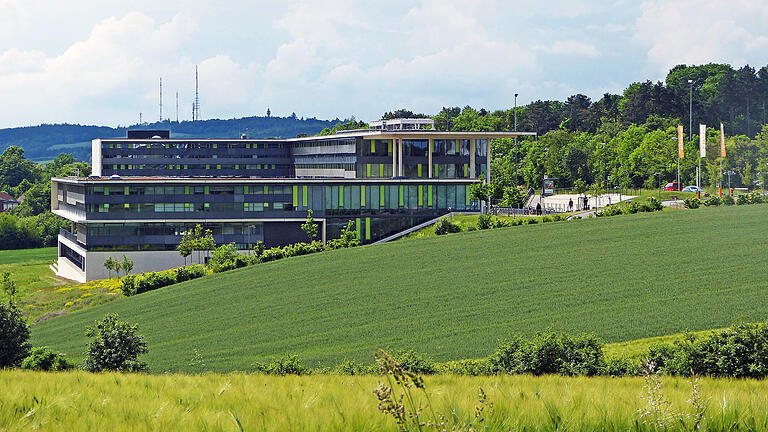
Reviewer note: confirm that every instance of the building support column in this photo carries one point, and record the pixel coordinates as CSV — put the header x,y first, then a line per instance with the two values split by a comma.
x,y
472,151
400,158
394,157
430,144
488,161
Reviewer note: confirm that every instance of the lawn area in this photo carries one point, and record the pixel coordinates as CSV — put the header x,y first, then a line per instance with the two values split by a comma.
x,y
78,401
455,296
41,293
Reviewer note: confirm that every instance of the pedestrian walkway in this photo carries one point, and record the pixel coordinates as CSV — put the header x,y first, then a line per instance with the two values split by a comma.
x,y
561,201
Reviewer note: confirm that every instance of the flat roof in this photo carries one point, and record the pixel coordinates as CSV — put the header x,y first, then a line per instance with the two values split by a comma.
x,y
377,133
188,180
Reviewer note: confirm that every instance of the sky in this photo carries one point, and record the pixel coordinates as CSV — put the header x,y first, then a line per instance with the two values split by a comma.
x,y
100,62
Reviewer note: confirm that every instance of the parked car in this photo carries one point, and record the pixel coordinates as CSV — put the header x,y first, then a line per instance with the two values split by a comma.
x,y
692,189
672,186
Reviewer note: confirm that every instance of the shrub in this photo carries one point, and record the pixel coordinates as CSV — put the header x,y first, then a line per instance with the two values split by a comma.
x,y
470,367
756,197
742,199
619,367
692,203
446,226
471,228
737,352
557,217
223,258
652,204
415,362
549,352
485,221
348,367
712,201
289,364
501,223
546,219
14,336
611,210
531,221
115,347
631,208
45,359
728,200
516,222
190,272
272,254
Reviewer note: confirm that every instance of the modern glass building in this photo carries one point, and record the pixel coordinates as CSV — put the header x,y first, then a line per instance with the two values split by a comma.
x,y
145,192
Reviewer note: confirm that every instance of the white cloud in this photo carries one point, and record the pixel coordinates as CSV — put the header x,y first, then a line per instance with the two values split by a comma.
x,y
569,47
702,31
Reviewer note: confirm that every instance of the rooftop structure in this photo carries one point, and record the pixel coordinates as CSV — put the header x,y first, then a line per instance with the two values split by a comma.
x,y
403,124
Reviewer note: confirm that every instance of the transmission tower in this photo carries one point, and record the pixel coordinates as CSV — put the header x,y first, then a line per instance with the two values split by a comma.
x,y
161,99
196,103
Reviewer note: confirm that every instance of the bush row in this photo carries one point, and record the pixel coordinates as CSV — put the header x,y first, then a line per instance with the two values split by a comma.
x,y
137,284
486,221
738,352
224,258
652,204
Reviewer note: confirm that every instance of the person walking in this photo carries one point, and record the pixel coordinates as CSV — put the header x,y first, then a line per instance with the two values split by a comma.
x,y
538,209
570,204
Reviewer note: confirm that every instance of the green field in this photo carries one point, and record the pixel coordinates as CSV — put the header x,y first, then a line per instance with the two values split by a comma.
x,y
455,296
41,294
78,401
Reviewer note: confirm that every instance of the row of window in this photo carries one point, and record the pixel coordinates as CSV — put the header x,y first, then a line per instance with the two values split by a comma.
x,y
187,207
193,145
195,166
191,190
440,147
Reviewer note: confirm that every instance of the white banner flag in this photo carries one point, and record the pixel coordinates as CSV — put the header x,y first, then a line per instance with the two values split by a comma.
x,y
703,140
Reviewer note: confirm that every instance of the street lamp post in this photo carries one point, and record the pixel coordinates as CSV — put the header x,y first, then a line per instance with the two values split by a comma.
x,y
605,170
515,113
690,110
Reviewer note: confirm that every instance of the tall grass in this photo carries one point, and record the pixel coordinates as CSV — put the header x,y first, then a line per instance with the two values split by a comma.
x,y
77,401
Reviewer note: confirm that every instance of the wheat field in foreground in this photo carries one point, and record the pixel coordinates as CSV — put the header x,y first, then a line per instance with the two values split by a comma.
x,y
77,401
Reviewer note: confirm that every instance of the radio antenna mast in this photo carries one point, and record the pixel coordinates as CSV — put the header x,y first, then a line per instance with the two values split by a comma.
x,y
196,103
161,99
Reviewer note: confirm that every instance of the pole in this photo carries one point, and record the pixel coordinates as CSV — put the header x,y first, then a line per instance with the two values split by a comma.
x,y
690,111
515,139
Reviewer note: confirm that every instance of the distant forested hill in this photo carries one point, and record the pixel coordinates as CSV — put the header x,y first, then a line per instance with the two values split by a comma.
x,y
44,142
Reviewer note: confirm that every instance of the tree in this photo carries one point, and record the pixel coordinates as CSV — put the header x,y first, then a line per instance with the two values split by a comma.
x,y
480,192
8,286
126,265
116,346
37,200
14,168
747,176
186,245
14,336
109,265
309,226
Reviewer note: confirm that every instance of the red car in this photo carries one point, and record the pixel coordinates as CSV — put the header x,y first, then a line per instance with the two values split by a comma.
x,y
672,186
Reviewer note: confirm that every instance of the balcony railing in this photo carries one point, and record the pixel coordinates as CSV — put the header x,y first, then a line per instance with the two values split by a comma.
x,y
67,235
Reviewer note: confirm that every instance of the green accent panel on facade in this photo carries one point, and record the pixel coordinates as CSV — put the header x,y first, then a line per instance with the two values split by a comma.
x,y
304,196
389,147
382,202
421,196
295,196
367,170
367,228
207,190
266,190
341,196
125,190
466,170
401,194
429,195
373,146
381,170
359,227
466,194
186,190
435,172
106,190
418,170
362,195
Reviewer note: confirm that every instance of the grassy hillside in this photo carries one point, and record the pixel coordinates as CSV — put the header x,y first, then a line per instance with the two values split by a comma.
x,y
41,294
78,401
623,278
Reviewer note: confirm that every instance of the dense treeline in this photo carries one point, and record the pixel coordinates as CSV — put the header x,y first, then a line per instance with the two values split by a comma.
x,y
31,224
44,142
625,140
